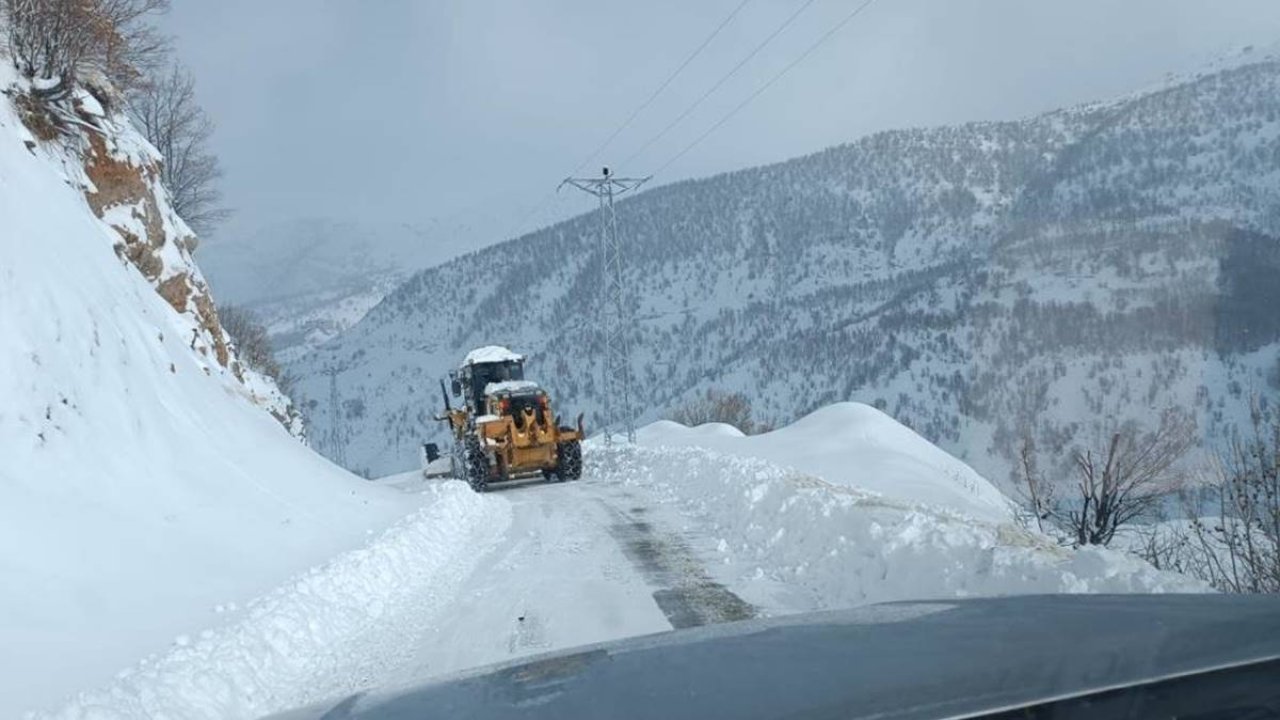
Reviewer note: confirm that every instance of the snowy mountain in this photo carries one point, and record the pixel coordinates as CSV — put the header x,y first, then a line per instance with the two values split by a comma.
x,y
309,279
979,283
170,549
145,483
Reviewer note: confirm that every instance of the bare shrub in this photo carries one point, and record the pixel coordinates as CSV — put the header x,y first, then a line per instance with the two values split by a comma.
x,y
1237,542
717,406
37,117
252,344
1125,479
63,39
1121,478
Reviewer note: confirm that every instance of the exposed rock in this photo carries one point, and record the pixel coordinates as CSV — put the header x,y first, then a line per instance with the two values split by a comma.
x,y
119,173
117,181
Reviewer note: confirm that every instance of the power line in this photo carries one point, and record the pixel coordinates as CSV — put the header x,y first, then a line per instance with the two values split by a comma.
x,y
723,79
698,51
541,204
827,35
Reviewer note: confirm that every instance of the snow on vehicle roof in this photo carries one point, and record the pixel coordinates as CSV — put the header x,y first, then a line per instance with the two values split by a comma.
x,y
490,354
510,386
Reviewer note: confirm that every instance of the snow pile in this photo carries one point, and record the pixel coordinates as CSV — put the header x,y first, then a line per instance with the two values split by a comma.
x,y
330,632
780,530
855,446
141,485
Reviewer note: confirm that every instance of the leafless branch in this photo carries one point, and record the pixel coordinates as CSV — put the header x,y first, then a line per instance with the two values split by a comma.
x,y
166,111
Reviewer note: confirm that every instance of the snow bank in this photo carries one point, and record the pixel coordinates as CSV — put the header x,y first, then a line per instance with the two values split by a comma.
x,y
141,485
857,446
327,633
839,546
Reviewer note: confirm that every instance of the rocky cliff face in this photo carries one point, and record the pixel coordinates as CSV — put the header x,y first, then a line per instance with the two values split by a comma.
x,y
118,171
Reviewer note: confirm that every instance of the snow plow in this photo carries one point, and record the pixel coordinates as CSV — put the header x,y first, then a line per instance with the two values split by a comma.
x,y
505,428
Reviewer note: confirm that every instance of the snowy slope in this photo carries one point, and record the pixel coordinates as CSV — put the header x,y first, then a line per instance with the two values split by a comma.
x,y
142,487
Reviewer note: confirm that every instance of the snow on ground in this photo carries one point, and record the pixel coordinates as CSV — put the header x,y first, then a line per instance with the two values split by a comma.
x,y
141,486
652,538
562,576
333,630
857,446
790,541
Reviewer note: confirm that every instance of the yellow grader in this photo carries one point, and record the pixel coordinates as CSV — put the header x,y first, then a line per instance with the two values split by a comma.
x,y
505,428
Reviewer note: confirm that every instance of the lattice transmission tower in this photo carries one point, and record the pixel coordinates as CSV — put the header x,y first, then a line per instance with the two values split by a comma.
x,y
615,319
336,437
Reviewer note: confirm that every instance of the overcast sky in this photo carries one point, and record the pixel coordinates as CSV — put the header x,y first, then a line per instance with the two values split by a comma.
x,y
473,110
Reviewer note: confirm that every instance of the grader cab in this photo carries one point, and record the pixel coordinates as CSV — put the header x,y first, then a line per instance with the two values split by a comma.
x,y
505,428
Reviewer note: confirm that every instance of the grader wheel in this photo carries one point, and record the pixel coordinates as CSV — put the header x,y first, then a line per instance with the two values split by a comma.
x,y
569,460
477,466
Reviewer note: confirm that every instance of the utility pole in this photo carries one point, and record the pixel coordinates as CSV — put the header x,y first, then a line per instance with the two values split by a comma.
x,y
615,319
335,439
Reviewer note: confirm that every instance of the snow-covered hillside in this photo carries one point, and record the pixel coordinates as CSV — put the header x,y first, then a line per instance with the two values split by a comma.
x,y
979,283
145,484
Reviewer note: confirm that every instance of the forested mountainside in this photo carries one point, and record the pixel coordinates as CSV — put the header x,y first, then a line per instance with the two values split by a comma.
x,y
980,283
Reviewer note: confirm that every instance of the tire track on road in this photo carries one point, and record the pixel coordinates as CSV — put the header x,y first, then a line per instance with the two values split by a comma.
x,y
686,594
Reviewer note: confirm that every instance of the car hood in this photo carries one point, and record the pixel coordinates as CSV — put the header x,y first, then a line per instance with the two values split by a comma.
x,y
896,660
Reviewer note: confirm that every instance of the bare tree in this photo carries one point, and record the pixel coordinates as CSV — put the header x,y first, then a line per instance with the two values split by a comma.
x,y
166,111
1039,498
1124,477
62,39
717,406
1238,540
135,50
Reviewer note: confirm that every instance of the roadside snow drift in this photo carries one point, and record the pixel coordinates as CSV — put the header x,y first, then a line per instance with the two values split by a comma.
x,y
847,507
335,629
857,446
141,487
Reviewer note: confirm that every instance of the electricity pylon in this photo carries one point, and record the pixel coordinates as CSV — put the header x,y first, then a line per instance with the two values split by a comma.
x,y
615,319
336,438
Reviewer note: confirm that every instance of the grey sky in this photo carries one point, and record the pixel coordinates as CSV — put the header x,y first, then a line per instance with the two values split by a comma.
x,y
472,110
